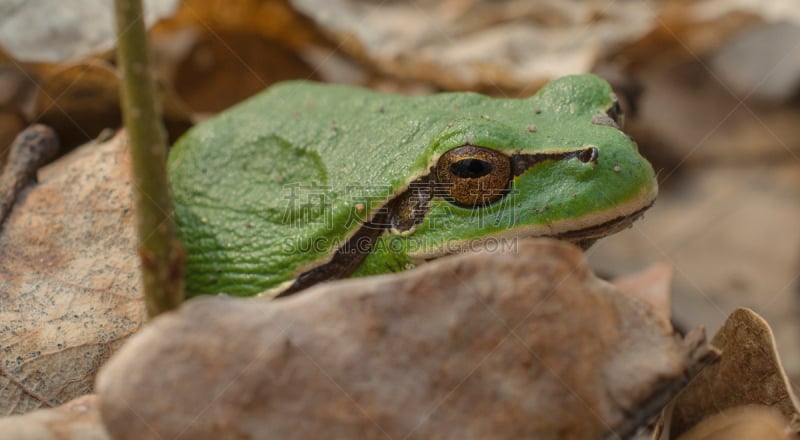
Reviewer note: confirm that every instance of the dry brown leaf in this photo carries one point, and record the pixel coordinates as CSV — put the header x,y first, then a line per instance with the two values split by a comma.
x,y
17,97
702,122
749,372
509,46
525,344
214,70
762,62
741,423
274,19
731,232
80,100
690,30
464,44
681,34
11,123
652,285
77,419
69,280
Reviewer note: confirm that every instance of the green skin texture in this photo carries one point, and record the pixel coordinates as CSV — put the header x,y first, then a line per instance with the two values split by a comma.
x,y
230,176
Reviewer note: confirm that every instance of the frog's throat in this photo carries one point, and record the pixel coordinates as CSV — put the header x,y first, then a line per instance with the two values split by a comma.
x,y
582,231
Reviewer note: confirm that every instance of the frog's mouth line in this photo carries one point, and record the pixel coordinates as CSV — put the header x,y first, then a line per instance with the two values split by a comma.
x,y
582,236
587,236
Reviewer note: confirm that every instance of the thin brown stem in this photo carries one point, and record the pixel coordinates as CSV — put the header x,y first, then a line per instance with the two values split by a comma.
x,y
161,253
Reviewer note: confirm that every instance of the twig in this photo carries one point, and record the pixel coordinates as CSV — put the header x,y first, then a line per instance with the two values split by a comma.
x,y
31,149
161,253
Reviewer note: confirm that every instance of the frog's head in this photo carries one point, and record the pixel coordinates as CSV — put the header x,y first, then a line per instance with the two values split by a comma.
x,y
556,164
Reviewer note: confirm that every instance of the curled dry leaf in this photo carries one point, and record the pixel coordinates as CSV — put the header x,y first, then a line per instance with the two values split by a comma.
x,y
80,100
749,372
69,280
511,44
525,344
77,419
213,71
32,148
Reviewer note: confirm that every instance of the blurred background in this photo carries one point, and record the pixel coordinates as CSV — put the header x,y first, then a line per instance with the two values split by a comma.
x,y
710,88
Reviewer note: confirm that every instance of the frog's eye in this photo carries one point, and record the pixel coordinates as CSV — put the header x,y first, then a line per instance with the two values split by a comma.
x,y
472,176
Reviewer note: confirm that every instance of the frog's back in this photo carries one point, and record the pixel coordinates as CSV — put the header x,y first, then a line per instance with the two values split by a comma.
x,y
269,187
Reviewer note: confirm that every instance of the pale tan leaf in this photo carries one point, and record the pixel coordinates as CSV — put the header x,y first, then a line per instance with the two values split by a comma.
x,y
77,419
525,344
69,280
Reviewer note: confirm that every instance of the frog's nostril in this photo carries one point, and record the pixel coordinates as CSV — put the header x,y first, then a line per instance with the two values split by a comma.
x,y
589,155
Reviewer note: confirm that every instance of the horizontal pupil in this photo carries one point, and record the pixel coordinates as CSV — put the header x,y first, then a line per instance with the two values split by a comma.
x,y
471,168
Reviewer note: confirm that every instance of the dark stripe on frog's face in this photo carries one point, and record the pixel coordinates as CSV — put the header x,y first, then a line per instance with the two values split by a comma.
x,y
466,192
523,162
409,208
